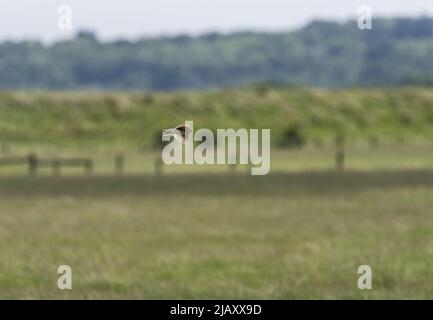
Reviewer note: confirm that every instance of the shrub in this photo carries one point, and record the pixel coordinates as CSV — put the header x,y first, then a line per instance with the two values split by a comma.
x,y
293,137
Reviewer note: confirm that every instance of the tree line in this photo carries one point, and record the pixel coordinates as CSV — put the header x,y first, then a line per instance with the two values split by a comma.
x,y
323,53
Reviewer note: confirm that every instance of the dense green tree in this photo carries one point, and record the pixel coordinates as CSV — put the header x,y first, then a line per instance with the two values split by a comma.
x,y
325,54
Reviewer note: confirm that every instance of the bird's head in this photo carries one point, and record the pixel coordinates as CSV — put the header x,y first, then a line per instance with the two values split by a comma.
x,y
181,132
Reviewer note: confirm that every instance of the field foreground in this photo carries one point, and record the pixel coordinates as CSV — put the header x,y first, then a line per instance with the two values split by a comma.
x,y
283,236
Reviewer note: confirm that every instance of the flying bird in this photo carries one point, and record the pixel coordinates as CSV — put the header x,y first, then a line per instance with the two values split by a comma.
x,y
180,133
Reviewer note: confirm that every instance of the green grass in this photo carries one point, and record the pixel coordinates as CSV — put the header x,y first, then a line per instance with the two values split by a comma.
x,y
207,232
135,119
286,235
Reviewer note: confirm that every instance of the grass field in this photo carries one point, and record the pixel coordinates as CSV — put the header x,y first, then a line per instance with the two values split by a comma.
x,y
286,235
211,231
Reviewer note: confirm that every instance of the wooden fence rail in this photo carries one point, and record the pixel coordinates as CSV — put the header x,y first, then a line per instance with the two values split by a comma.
x,y
10,161
340,152
34,163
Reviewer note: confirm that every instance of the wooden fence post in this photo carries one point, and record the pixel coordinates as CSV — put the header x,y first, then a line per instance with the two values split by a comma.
x,y
340,152
88,167
32,160
56,166
119,164
158,166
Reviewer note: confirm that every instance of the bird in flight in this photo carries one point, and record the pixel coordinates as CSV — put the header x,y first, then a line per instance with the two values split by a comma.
x,y
180,133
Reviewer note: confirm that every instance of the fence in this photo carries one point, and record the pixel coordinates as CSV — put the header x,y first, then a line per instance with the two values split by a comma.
x,y
33,163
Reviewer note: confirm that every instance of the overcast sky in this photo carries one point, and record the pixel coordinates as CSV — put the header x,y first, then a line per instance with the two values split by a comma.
x,y
37,19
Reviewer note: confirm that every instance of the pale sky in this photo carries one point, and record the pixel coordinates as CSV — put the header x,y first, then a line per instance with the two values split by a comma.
x,y
37,19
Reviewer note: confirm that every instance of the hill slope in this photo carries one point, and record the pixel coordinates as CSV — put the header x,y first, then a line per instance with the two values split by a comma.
x,y
137,118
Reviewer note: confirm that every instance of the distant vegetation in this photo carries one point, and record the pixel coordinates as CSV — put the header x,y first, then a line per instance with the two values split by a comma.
x,y
296,116
326,54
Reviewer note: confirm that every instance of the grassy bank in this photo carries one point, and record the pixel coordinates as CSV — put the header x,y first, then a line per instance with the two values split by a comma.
x,y
136,119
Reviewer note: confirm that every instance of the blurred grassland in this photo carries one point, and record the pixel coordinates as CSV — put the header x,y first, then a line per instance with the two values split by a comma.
x,y
117,119
206,232
285,236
